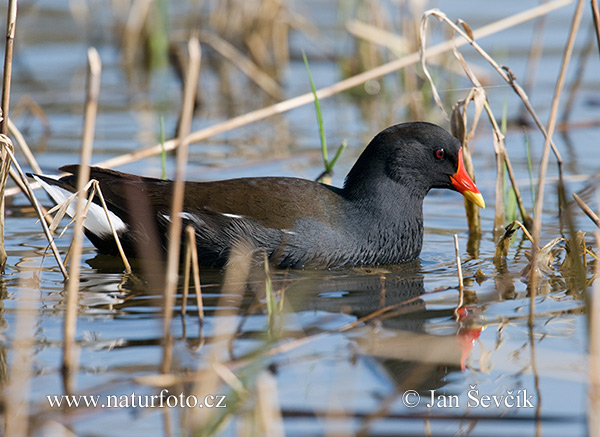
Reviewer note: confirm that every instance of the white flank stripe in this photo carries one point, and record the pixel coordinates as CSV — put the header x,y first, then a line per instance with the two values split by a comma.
x,y
235,216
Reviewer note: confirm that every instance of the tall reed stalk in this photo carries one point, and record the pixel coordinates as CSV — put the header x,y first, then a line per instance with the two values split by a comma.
x,y
331,90
72,291
11,22
537,224
191,82
338,87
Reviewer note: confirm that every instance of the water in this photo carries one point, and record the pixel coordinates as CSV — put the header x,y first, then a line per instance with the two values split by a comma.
x,y
329,378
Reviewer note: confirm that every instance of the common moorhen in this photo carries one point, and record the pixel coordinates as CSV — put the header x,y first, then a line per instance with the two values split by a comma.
x,y
376,218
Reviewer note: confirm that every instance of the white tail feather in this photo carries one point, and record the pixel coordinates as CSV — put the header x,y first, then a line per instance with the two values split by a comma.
x,y
95,221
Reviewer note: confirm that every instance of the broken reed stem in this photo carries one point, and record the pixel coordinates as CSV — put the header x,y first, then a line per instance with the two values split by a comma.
x,y
336,88
191,82
511,174
500,152
539,206
461,290
4,171
191,261
524,229
11,22
112,228
18,136
36,206
504,72
91,105
596,15
587,210
87,204
187,264
30,158
196,271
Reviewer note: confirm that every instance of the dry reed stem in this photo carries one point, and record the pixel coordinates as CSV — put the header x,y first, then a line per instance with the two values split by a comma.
x,y
26,103
187,265
499,137
36,206
578,77
461,289
535,53
504,72
270,421
234,285
593,410
60,211
243,63
91,105
587,210
336,88
191,82
81,212
202,377
596,15
298,342
376,35
196,272
398,45
537,224
4,171
478,96
11,22
191,261
459,121
29,156
133,29
167,422
112,228
16,393
536,382
524,229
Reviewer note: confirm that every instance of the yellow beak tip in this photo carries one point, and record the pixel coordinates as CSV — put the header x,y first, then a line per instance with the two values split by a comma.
x,y
476,198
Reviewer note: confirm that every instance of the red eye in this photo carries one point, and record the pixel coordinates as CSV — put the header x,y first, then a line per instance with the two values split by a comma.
x,y
440,154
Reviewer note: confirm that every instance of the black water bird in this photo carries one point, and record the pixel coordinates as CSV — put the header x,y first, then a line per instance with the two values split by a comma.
x,y
375,218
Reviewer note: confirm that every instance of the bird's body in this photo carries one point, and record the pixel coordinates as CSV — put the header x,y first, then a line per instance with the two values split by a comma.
x,y
376,218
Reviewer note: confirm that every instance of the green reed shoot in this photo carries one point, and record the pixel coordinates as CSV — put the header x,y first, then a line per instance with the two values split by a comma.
x,y
511,197
270,296
530,168
328,164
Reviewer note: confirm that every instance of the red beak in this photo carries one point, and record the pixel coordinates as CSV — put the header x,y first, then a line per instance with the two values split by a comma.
x,y
465,185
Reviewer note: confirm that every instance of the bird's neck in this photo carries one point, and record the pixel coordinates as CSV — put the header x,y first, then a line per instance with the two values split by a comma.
x,y
395,232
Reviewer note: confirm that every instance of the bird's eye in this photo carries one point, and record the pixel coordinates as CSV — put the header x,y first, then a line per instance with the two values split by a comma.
x,y
440,153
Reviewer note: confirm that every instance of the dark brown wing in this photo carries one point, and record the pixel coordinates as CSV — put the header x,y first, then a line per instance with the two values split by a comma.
x,y
274,202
